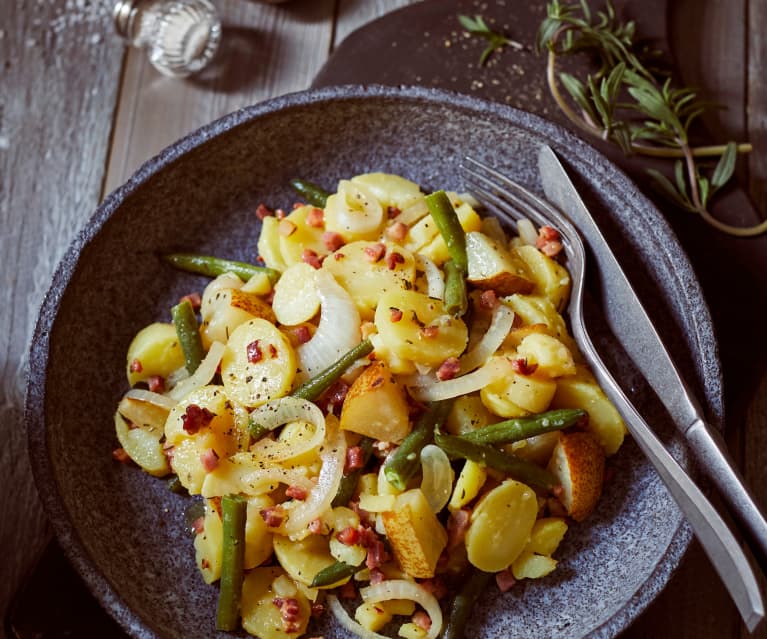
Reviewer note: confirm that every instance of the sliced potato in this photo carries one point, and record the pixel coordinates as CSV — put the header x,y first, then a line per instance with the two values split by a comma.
x,y
467,486
546,535
260,616
299,236
531,566
258,536
578,462
143,446
390,190
295,295
538,309
516,395
145,414
304,558
209,544
436,250
551,279
551,356
155,350
269,244
372,616
467,414
492,266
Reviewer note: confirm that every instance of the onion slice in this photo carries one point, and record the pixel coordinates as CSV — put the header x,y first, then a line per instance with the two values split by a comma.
x,y
333,456
356,209
435,283
241,473
337,333
500,325
495,369
339,612
278,412
403,589
202,376
142,395
527,231
437,482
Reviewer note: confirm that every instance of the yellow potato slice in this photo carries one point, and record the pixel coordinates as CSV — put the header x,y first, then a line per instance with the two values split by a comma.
x,y
295,295
155,350
260,616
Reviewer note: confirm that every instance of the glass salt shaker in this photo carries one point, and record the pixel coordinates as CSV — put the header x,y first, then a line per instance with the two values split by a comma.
x,y
180,36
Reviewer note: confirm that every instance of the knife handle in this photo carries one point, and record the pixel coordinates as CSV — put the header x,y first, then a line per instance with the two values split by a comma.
x,y
711,452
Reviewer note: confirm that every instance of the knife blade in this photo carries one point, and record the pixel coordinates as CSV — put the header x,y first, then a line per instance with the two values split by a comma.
x,y
643,344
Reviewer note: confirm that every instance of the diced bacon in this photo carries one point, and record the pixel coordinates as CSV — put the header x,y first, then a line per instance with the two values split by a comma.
x,y
286,228
430,332
317,526
349,536
317,611
457,525
397,231
488,300
355,458
393,259
279,214
311,258
167,450
348,591
374,252
435,586
273,516
556,509
290,612
448,369
332,240
334,397
297,205
377,554
262,211
316,218
156,384
196,418
376,576
392,212
204,563
136,366
395,314
505,580
272,351
194,299
209,460
296,492
253,351
338,256
521,366
422,620
549,242
119,454
303,334
198,525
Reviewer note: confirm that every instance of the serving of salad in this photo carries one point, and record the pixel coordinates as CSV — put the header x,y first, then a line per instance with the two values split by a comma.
x,y
380,418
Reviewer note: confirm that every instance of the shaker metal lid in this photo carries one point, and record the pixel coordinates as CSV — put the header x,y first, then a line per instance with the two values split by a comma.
x,y
122,14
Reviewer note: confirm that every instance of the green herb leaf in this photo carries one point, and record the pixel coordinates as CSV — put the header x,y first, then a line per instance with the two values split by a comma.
x,y
725,167
665,187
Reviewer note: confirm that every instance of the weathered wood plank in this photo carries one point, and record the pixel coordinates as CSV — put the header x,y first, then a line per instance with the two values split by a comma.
x,y
756,103
58,64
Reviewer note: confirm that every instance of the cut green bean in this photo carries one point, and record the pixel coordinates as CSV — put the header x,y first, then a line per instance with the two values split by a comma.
x,y
234,513
315,195
520,469
404,462
446,219
463,602
333,573
314,387
455,297
350,480
188,332
215,266
519,428
256,430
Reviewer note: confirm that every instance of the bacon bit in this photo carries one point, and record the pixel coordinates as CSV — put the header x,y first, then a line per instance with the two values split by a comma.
x,y
488,300
505,580
376,576
430,332
338,256
286,228
395,314
435,586
317,526
311,258
348,591
334,397
397,231
392,212
262,211
253,351
156,383
367,329
448,369
167,450
422,620
318,610
365,518
272,351
196,418
209,460
135,366
194,299
349,536
297,205
296,492
215,502
303,334
273,516
198,525
549,242
556,509
315,217
393,259
279,214
332,240
377,554
204,563
290,613
119,454
457,525
354,459
374,252
521,366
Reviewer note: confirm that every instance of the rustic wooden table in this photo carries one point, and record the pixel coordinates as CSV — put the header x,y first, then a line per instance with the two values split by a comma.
x,y
79,113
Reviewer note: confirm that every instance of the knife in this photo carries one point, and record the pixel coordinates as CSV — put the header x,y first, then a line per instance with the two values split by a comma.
x,y
644,346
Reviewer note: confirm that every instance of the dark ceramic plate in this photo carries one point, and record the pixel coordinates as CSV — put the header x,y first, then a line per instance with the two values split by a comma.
x,y
125,532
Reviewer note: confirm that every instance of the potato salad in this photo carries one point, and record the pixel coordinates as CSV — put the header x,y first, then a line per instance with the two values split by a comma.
x,y
380,417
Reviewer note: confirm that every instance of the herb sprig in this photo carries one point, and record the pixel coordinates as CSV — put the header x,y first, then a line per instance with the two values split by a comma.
x,y
495,41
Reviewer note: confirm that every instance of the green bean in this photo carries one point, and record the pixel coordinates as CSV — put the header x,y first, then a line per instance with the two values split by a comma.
x,y
519,428
312,193
234,513
446,219
188,332
461,605
256,430
403,463
350,480
312,388
333,573
525,471
214,266
456,299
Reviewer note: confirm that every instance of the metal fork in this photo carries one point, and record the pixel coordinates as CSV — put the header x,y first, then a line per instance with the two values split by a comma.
x,y
512,202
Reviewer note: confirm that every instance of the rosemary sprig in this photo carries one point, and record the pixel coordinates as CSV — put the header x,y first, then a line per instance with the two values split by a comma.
x,y
495,41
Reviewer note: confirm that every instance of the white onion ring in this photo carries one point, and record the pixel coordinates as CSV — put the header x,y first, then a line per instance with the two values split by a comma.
x,y
202,376
527,231
500,325
357,210
411,214
281,411
142,395
403,589
240,473
333,456
435,283
438,475
495,369
339,612
337,333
